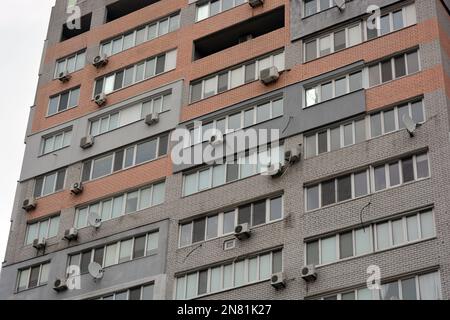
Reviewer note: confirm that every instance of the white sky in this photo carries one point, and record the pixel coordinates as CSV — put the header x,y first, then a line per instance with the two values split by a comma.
x,y
23,29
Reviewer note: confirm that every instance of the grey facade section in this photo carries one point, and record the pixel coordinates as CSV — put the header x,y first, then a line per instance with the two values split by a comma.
x,y
150,269
35,164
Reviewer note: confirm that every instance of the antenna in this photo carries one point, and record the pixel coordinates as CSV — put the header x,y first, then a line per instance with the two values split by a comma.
x,y
95,270
410,125
340,4
94,220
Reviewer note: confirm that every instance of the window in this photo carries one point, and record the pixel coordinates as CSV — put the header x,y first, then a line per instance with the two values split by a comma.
x,y
419,287
44,229
71,64
228,276
112,208
335,138
57,141
311,50
341,86
125,158
230,171
393,68
310,7
33,277
140,35
49,183
115,253
63,101
123,78
206,228
359,241
213,7
402,18
393,118
234,77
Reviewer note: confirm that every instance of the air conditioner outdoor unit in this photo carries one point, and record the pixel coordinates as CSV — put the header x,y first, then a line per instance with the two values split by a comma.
x,y
77,188
216,139
152,118
278,280
309,273
100,61
60,285
242,231
269,75
100,99
64,76
71,234
255,3
273,170
293,155
39,244
29,204
87,142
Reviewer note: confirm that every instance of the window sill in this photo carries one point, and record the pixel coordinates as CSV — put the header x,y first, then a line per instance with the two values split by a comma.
x,y
52,152
229,235
373,252
49,195
29,289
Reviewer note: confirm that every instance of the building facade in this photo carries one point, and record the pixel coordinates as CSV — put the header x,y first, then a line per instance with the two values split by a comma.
x,y
367,197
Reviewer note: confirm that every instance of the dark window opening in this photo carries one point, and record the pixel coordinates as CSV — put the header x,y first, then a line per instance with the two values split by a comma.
x,y
239,33
71,30
122,8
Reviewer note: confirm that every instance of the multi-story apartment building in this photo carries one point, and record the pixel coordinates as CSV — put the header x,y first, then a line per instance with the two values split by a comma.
x,y
365,194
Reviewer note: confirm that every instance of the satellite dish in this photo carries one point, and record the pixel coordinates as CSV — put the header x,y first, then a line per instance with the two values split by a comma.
x,y
94,220
95,270
340,4
410,125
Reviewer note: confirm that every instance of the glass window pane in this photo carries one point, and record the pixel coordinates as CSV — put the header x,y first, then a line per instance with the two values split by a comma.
x,y
328,250
128,41
348,296
360,131
394,174
362,241
204,179
121,295
128,76
354,35
102,167
383,241
312,253
400,66
328,192
250,72
81,218
397,232
34,277
374,75
407,170
212,227
218,175
232,172
325,45
322,138
185,234
312,197
228,276
412,227
125,250
23,279
74,96
63,102
312,96
110,256
365,294
252,269
389,291
32,233
346,245
239,273
45,270
409,289
229,222
355,81
277,261
340,87
117,207
339,40
43,229
237,77
344,188
150,68
98,255
85,261
380,178
264,267
129,157
163,27
311,146
210,87
190,184
397,18
117,46
202,282
375,124
385,25
49,184
413,62
417,112
159,193
389,121
139,247
146,151
140,72
386,70
216,279
199,230
277,108
326,91
135,294
131,203
276,208
249,117
310,7
429,286
259,213
54,226
311,50
427,224
348,134
191,285
244,214
223,82
335,138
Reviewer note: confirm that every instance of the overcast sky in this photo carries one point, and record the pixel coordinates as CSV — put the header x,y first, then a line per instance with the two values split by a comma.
x,y
23,29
